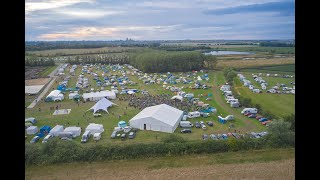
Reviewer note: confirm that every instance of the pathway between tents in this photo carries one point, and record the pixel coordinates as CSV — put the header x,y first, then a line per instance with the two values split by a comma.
x,y
249,125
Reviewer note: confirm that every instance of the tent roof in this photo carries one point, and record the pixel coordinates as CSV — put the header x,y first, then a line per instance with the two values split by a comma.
x,y
163,112
102,104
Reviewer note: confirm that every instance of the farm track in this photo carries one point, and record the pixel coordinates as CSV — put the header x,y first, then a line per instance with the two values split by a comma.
x,y
249,126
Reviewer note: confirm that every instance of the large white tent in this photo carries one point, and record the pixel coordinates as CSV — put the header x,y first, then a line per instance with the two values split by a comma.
x,y
96,96
55,95
102,104
95,128
161,117
56,130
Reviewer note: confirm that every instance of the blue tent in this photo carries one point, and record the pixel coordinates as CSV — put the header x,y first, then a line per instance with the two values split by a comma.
x,y
122,124
61,88
45,129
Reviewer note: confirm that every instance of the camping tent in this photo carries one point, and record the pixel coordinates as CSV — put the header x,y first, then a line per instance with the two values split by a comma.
x,y
72,95
161,117
95,128
96,96
122,124
130,92
177,97
45,129
32,130
54,95
76,131
30,119
56,130
102,104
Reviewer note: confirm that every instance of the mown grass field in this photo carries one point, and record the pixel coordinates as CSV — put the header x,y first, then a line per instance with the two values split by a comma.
x,y
256,164
288,69
278,104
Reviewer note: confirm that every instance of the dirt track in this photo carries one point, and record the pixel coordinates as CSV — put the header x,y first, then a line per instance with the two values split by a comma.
x,y
39,81
284,169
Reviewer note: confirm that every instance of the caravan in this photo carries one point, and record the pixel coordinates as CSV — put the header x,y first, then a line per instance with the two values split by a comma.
x,y
249,110
194,114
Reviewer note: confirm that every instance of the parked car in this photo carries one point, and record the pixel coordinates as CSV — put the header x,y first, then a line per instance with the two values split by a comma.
x,y
263,119
258,117
203,126
132,135
236,135
114,134
210,123
204,136
266,122
198,124
35,139
224,136
201,122
219,136
214,137
185,131
229,134
123,137
252,116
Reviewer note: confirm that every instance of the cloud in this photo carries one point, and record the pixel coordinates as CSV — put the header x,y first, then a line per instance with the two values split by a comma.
x,y
285,8
87,13
31,6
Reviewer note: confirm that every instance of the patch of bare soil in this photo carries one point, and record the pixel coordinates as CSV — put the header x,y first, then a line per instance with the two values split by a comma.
x,y
39,81
284,169
33,72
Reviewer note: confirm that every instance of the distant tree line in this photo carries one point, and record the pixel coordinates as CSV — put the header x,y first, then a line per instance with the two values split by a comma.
x,y
182,48
37,46
39,62
168,61
276,44
104,59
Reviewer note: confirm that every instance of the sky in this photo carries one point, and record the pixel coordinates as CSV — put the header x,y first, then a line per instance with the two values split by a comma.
x,y
56,20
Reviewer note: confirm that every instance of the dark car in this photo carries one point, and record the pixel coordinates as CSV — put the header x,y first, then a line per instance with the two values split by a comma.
x,y
263,119
35,139
198,125
185,131
210,123
132,135
123,137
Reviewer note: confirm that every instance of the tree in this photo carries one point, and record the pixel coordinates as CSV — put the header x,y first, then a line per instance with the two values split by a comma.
x,y
280,134
291,119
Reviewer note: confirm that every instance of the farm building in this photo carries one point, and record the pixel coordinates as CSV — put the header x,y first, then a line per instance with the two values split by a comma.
x,y
96,96
161,117
55,95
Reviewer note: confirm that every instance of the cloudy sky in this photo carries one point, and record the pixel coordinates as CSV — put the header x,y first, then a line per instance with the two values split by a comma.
x,y
49,20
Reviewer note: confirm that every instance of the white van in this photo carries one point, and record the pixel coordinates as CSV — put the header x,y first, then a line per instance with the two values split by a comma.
x,y
194,114
85,136
46,138
186,124
250,110
66,134
184,118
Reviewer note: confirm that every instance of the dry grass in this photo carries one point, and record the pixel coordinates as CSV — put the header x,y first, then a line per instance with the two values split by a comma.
x,y
81,51
39,81
259,164
254,63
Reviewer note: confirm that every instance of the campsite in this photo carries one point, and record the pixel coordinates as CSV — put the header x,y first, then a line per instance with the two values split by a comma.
x,y
123,111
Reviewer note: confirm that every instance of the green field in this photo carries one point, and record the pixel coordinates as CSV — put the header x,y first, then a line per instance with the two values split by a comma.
x,y
278,104
47,71
79,116
277,161
288,69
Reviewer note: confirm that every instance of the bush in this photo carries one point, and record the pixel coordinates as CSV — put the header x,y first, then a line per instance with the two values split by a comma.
x,y
173,138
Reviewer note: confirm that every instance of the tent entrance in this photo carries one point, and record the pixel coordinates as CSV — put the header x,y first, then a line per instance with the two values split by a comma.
x,y
144,126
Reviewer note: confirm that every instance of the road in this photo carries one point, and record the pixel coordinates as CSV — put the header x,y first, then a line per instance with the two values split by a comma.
x,y
48,85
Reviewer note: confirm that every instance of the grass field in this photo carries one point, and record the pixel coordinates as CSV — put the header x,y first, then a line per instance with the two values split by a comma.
x,y
288,68
109,121
257,164
278,104
239,64
47,71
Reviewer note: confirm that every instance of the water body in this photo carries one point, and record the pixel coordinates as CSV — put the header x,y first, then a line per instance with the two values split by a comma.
x,y
218,53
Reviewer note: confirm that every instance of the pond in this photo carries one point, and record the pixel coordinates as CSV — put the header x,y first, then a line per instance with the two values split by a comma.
x,y
217,53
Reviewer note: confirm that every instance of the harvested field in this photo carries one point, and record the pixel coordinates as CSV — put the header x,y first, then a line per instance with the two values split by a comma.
x,y
33,72
254,63
39,81
260,164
